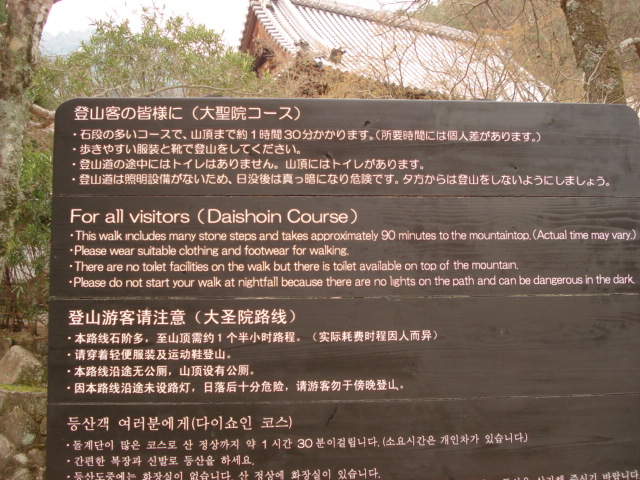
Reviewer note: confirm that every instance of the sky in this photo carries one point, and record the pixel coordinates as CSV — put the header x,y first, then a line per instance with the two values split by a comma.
x,y
220,15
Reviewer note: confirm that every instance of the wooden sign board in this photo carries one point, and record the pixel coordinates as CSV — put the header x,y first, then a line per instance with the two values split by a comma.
x,y
252,289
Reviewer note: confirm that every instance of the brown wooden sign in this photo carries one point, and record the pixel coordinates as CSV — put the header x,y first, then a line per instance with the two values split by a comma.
x,y
251,289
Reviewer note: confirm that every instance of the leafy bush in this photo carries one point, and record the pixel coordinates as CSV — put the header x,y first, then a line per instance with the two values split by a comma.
x,y
164,57
24,289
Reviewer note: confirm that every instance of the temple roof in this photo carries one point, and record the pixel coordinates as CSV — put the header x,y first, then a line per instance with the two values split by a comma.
x,y
392,49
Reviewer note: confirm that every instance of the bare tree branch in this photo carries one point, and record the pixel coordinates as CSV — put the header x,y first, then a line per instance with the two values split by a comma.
x,y
47,117
42,126
42,113
204,87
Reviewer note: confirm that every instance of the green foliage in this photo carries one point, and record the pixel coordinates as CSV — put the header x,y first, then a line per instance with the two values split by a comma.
x,y
164,57
24,285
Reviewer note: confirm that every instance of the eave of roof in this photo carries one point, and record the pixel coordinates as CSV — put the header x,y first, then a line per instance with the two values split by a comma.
x,y
392,48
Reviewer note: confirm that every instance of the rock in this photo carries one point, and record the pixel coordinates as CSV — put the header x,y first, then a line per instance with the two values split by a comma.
x,y
41,343
6,451
19,366
19,427
37,457
21,474
21,459
34,403
41,474
32,400
5,345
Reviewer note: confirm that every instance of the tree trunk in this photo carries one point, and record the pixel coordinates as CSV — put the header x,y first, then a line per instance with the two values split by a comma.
x,y
19,39
593,51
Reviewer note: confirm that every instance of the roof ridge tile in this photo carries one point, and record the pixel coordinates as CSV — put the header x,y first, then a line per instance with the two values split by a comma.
x,y
387,18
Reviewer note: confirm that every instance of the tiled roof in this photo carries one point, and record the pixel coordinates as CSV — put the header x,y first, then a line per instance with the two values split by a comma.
x,y
396,49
